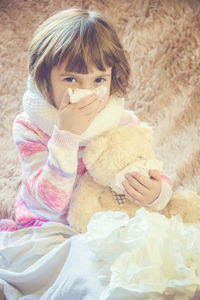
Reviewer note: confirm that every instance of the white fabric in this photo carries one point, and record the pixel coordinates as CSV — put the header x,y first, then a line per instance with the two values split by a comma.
x,y
147,257
140,166
45,263
78,94
45,115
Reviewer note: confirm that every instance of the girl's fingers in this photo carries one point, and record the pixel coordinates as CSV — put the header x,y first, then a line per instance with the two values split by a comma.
x,y
129,190
85,101
145,181
155,174
135,184
92,108
65,101
128,197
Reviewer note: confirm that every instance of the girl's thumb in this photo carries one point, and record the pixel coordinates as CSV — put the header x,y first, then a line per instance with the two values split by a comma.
x,y
155,174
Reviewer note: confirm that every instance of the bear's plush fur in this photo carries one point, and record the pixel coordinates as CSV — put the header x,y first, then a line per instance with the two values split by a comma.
x,y
104,157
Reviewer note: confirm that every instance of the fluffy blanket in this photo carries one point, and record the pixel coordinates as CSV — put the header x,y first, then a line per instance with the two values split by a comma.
x,y
162,39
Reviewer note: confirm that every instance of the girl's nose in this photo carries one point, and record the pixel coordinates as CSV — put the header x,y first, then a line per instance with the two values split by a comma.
x,y
87,85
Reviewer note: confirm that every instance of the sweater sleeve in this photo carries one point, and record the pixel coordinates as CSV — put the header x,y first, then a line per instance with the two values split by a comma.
x,y
49,166
129,118
165,194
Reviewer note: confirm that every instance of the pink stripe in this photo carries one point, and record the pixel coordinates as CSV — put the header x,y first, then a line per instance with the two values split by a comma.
x,y
35,129
8,225
32,127
52,196
81,167
81,148
28,148
33,223
33,179
163,198
167,179
23,214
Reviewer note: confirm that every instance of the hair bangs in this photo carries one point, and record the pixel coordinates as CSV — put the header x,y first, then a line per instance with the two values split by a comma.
x,y
87,48
79,39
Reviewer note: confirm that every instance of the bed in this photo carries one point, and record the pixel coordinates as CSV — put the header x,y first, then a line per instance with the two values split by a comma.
x,y
162,39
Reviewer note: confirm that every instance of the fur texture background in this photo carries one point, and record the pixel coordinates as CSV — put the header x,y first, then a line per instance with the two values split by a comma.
x,y
162,38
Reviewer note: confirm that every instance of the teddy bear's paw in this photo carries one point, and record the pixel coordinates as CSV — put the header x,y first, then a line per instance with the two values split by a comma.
x,y
186,203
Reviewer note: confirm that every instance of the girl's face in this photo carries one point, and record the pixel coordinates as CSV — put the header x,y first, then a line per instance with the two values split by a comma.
x,y
61,80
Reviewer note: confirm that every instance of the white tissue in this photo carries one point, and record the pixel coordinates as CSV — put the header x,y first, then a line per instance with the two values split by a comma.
x,y
78,94
145,256
141,166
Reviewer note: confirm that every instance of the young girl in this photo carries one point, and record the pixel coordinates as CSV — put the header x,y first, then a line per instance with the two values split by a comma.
x,y
73,49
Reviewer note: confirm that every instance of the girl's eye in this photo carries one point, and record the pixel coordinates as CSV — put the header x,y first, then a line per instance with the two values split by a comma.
x,y
70,79
100,80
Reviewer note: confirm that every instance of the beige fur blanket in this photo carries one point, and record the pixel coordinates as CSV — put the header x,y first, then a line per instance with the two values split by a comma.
x,y
163,42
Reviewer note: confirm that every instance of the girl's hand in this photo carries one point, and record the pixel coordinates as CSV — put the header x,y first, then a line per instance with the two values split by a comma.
x,y
142,190
76,117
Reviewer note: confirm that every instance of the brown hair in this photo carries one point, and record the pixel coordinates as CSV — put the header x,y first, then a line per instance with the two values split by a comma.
x,y
80,37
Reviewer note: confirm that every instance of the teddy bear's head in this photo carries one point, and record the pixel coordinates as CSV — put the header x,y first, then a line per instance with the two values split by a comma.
x,y
117,148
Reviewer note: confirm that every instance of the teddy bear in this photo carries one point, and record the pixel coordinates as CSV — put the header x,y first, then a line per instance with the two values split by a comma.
x,y
107,158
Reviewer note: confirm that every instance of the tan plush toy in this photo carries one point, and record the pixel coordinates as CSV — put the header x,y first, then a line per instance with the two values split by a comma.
x,y
107,158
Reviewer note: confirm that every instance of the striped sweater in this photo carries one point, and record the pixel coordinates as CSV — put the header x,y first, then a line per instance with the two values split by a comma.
x,y
51,161
51,167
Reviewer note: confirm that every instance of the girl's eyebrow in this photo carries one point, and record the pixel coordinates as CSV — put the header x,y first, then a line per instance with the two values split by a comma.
x,y
78,74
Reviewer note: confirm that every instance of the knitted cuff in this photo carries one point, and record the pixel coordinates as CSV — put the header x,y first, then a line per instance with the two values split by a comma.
x,y
65,139
164,197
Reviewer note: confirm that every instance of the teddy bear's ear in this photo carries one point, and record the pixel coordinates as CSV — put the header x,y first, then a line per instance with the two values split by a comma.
x,y
93,150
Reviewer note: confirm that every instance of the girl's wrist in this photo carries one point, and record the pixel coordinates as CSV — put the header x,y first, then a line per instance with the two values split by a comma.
x,y
64,138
